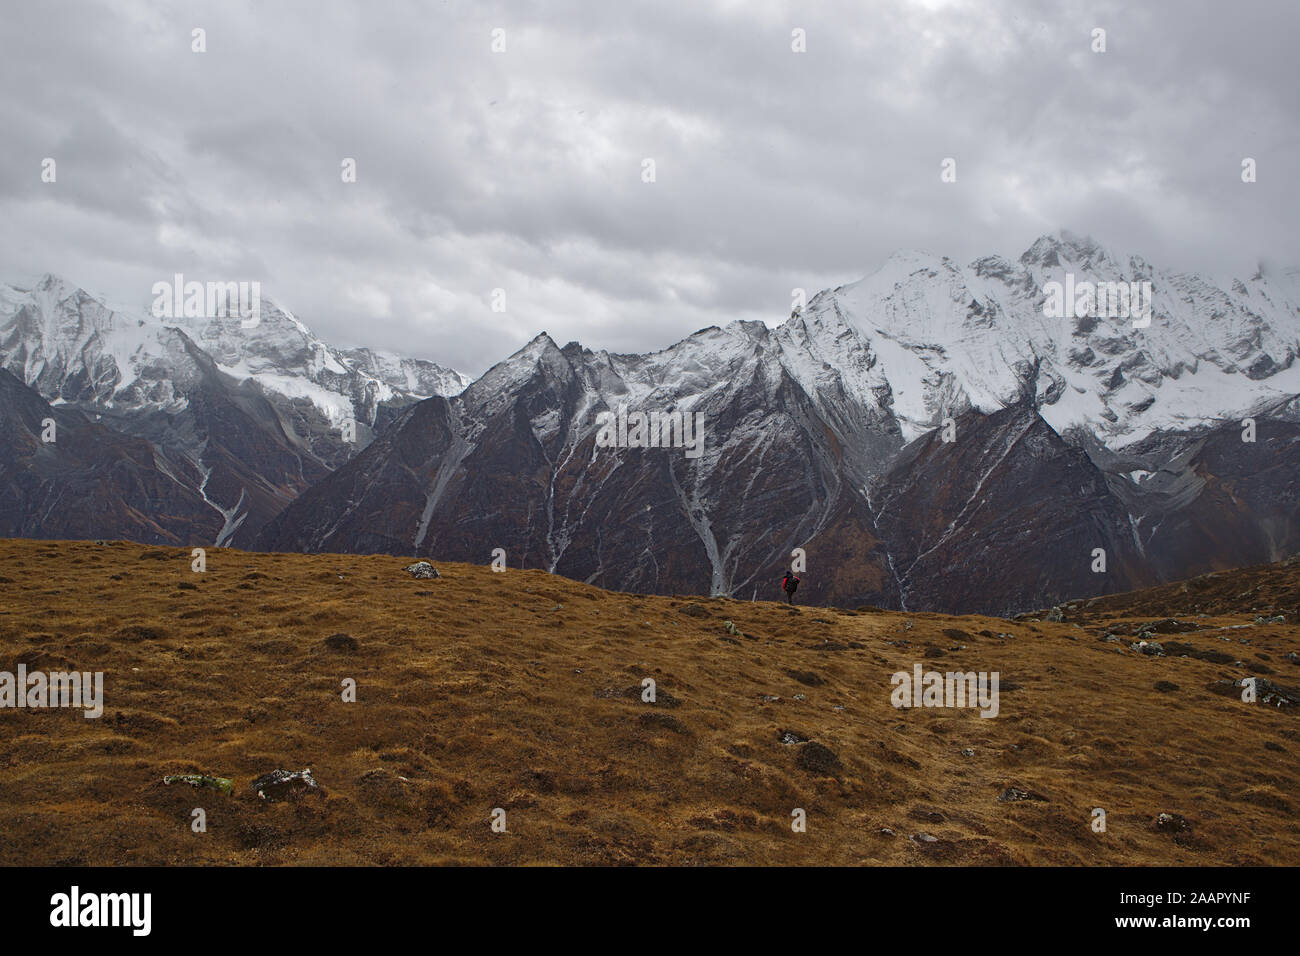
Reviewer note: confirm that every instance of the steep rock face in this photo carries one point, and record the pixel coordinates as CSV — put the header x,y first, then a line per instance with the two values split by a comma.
x,y
257,413
1004,516
1072,435
1208,500
822,435
90,481
513,463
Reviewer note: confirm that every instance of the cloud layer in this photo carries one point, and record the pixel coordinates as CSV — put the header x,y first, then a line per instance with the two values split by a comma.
x,y
522,170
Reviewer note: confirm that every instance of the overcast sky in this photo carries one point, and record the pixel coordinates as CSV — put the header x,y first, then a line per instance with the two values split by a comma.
x,y
522,169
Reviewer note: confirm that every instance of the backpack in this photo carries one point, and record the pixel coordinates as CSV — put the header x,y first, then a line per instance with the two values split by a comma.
x,y
790,583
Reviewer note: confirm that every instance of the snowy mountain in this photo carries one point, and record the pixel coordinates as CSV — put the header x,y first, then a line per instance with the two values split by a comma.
x,y
824,434
62,476
932,436
71,346
949,337
257,413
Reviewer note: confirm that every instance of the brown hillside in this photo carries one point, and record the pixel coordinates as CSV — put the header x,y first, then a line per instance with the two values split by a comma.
x,y
521,691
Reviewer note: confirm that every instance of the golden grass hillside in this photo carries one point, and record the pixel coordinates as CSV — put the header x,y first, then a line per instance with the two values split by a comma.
x,y
522,691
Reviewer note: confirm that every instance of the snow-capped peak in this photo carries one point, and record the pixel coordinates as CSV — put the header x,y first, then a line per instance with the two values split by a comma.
x,y
71,345
946,336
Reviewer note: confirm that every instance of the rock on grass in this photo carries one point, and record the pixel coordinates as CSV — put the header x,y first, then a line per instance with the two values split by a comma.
x,y
345,643
818,758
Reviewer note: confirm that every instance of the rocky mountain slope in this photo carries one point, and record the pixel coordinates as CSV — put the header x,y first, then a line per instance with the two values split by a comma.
x,y
256,413
61,474
928,436
1064,437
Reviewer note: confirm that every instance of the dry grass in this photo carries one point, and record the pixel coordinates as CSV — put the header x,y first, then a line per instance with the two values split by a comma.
x,y
484,690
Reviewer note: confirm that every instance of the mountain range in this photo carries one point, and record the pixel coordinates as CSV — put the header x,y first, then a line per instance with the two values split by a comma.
x,y
924,438
244,419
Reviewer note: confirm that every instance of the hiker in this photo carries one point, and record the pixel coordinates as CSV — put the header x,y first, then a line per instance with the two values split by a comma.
x,y
788,584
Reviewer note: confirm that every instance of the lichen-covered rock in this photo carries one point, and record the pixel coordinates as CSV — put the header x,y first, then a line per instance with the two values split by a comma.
x,y
222,784
280,784
422,569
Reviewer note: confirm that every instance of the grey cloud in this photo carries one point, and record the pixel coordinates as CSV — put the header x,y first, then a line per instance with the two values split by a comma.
x,y
522,170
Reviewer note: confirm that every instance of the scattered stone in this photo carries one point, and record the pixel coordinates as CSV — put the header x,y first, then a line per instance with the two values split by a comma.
x,y
1276,695
924,837
1053,615
1150,648
1278,619
800,697
223,784
770,698
281,784
1166,687
187,586
885,831
829,646
1266,692
817,758
932,651
789,737
386,787
926,815
1016,795
1170,823
1166,625
968,752
341,642
422,569
731,628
